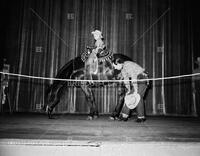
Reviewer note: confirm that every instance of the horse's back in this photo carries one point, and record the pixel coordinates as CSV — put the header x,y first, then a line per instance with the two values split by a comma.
x,y
77,64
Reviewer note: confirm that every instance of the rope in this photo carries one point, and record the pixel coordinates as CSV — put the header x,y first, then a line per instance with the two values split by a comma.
x,y
74,80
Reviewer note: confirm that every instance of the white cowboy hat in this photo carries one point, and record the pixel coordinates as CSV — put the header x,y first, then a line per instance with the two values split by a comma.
x,y
132,100
98,33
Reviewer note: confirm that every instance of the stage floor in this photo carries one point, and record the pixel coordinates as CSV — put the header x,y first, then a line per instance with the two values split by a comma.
x,y
73,135
77,128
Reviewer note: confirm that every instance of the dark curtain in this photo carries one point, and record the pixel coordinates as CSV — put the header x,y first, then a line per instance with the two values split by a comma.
x,y
43,35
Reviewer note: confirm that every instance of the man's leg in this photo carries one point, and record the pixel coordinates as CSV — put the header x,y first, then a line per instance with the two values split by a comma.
x,y
120,102
140,107
124,113
127,84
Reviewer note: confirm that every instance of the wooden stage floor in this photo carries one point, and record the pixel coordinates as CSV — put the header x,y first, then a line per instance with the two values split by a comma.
x,y
76,127
76,130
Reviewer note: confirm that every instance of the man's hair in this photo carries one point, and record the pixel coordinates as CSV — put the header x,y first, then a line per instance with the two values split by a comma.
x,y
118,61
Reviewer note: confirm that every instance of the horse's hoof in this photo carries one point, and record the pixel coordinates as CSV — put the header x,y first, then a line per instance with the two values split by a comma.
x,y
89,118
95,116
49,111
50,115
112,118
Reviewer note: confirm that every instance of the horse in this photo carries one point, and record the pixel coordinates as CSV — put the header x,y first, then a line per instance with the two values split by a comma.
x,y
75,70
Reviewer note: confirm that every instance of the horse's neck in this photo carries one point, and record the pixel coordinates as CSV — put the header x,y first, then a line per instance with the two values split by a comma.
x,y
106,70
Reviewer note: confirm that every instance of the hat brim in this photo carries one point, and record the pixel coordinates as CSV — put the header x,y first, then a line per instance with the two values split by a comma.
x,y
132,100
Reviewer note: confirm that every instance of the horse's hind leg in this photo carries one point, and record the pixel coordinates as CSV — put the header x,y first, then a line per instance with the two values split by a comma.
x,y
50,107
90,97
54,100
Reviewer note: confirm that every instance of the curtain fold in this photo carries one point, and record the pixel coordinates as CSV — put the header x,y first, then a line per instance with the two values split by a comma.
x,y
155,34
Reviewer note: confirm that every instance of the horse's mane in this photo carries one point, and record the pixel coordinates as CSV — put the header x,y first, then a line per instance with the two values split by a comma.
x,y
68,68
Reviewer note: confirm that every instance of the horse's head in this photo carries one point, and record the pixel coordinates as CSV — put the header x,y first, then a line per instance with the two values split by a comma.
x,y
108,68
112,68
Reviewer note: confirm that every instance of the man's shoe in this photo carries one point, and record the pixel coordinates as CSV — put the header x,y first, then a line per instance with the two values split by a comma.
x,y
121,118
139,120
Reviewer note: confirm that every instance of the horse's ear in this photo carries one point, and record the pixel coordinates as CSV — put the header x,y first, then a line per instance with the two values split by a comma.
x,y
117,61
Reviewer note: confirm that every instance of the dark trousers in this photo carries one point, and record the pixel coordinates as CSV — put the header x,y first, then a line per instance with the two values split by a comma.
x,y
122,108
197,93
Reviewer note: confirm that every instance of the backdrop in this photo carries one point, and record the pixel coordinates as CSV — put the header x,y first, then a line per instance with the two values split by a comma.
x,y
43,35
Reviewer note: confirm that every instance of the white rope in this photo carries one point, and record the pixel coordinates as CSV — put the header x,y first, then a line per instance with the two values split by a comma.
x,y
74,80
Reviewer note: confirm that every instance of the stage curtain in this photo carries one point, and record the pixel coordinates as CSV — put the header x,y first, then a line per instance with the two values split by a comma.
x,y
43,35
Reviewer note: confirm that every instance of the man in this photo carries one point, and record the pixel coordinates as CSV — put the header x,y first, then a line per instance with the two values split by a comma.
x,y
196,85
131,73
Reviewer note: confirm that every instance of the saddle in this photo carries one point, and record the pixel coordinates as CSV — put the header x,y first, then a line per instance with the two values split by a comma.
x,y
103,55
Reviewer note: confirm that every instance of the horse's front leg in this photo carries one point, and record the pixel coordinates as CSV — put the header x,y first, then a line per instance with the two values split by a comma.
x,y
93,114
